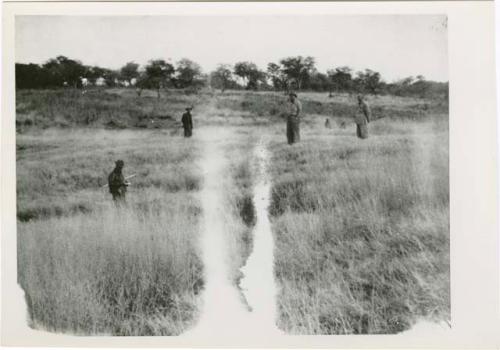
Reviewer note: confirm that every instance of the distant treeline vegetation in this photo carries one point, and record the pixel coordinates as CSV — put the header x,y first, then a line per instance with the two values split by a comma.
x,y
291,73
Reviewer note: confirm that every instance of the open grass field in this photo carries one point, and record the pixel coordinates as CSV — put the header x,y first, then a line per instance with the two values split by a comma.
x,y
362,230
361,227
89,267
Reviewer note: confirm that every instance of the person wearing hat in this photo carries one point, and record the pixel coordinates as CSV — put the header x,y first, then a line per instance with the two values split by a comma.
x,y
294,107
116,182
362,118
187,122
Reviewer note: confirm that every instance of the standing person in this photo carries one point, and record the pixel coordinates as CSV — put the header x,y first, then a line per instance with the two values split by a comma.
x,y
116,182
187,122
294,107
362,118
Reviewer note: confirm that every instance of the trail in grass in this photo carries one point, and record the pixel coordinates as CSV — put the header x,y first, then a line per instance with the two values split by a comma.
x,y
258,284
224,312
221,301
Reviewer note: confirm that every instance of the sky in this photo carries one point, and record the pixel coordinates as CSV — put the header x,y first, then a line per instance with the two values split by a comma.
x,y
397,46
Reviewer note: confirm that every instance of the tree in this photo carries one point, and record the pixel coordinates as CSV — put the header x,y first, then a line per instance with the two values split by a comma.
x,y
188,73
31,76
250,74
277,76
319,82
222,77
298,69
407,81
94,73
368,81
110,77
141,83
341,78
129,72
158,74
64,70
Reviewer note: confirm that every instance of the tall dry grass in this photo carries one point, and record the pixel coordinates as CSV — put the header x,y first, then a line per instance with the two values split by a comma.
x,y
61,172
119,271
268,107
98,108
127,270
362,229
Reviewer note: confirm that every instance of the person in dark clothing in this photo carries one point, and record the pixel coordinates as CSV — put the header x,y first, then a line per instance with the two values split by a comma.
x,y
187,122
117,183
293,109
362,118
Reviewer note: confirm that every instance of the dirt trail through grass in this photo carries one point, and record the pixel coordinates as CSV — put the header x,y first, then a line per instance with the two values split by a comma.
x,y
225,311
258,283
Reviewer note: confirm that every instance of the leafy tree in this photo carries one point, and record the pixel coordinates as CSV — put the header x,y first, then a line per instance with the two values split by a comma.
x,y
250,74
341,78
188,73
222,77
319,82
62,69
110,77
141,83
129,72
419,87
277,76
94,73
406,81
368,81
298,69
158,74
54,72
31,76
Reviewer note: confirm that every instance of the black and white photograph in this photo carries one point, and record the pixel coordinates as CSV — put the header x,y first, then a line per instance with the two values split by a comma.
x,y
192,176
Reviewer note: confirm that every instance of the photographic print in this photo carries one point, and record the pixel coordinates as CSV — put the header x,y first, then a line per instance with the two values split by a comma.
x,y
190,175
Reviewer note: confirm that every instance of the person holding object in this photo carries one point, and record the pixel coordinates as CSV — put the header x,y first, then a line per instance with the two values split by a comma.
x,y
117,183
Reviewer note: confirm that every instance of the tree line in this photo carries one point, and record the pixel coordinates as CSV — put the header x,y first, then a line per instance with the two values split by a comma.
x,y
290,73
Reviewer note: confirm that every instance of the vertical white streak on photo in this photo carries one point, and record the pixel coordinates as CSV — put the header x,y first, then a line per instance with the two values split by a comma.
x,y
222,309
258,283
